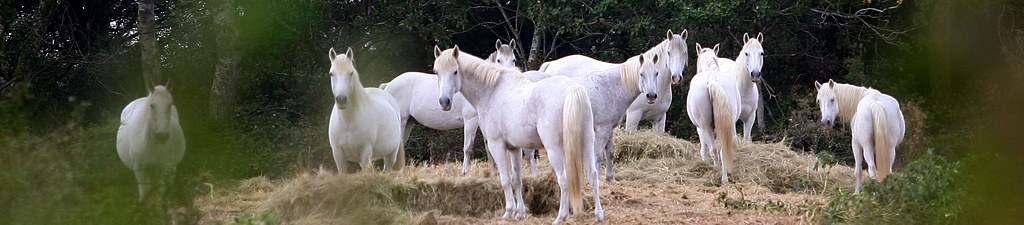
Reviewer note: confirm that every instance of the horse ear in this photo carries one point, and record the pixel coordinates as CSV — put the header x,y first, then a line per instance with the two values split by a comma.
x,y
331,54
716,48
455,52
497,44
831,83
437,51
698,48
512,44
348,53
760,37
655,60
641,58
685,34
669,34
746,37
168,85
817,85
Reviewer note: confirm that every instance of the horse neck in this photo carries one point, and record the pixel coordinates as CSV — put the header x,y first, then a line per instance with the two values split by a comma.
x,y
742,73
848,96
356,93
478,87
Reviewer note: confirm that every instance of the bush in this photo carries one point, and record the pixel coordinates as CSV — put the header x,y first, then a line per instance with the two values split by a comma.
x,y
928,191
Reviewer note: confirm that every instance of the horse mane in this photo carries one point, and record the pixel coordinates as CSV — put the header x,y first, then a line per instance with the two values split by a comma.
x,y
485,71
848,96
629,74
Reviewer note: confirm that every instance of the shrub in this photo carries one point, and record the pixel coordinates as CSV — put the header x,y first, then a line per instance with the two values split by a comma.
x,y
929,190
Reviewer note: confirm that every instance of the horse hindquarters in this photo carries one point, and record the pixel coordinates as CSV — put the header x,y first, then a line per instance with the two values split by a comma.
x,y
578,144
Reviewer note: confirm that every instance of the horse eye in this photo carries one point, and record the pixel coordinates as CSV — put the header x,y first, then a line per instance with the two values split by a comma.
x,y
456,72
832,100
748,54
762,54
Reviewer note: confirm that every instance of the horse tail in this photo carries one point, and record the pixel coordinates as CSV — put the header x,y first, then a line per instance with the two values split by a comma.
x,y
882,145
572,142
544,66
722,111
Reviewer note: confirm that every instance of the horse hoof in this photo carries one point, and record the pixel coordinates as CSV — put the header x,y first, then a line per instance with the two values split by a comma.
x,y
612,180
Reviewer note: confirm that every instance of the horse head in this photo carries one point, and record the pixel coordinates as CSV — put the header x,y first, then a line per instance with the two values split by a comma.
x,y
707,58
754,55
827,102
342,73
678,55
504,54
446,65
159,102
650,68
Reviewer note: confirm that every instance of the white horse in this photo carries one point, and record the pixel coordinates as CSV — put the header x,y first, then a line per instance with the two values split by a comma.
x,y
876,123
503,54
678,55
610,104
712,103
553,114
707,58
364,123
416,94
746,71
150,141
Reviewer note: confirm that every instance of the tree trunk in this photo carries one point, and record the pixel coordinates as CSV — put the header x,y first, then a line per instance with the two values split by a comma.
x,y
536,57
147,38
21,80
222,96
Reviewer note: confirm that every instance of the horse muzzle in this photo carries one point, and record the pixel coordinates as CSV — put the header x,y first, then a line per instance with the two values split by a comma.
x,y
341,102
651,97
755,77
827,123
446,103
677,79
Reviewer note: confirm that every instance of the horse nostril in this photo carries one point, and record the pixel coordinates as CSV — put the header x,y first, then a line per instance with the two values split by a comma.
x,y
340,101
652,95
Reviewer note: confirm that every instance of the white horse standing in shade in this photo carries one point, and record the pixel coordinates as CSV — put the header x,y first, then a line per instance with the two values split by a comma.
x,y
876,124
747,72
657,112
552,114
713,105
610,104
364,124
150,141
416,94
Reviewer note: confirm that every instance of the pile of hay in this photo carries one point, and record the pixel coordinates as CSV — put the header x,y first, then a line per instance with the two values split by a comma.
x,y
418,193
402,197
651,157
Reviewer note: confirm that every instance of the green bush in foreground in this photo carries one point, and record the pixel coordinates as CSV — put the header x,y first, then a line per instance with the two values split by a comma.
x,y
930,190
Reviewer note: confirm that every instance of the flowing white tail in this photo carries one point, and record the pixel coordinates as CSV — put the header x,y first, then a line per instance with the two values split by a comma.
x,y
572,142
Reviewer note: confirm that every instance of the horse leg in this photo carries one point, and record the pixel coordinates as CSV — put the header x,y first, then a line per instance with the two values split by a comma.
x,y
607,148
869,158
143,182
366,158
857,158
748,124
339,160
633,119
517,182
658,123
500,155
531,158
591,166
557,159
390,159
470,127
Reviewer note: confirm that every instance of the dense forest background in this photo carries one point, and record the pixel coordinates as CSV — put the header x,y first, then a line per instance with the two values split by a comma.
x,y
250,77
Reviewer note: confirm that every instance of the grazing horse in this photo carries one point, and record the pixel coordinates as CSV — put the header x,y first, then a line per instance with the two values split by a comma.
x,y
712,103
676,50
150,141
553,114
364,124
876,124
747,74
416,94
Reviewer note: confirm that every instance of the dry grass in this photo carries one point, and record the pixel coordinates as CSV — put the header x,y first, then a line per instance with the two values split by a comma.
x,y
655,164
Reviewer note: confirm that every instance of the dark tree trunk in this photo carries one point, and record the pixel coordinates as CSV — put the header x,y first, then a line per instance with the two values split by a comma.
x,y
147,38
536,53
222,96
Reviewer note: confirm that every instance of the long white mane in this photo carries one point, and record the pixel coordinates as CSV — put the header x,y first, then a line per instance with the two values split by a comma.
x,y
483,70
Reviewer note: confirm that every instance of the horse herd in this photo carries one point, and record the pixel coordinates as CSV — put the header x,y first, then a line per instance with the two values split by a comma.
x,y
569,108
